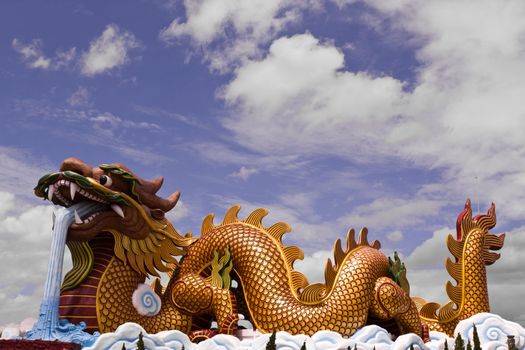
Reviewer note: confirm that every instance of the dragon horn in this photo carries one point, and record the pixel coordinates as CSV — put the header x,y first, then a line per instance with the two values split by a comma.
x,y
155,202
152,186
146,191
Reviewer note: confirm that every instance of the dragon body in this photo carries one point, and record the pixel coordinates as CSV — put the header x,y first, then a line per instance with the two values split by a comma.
x,y
103,299
115,250
279,298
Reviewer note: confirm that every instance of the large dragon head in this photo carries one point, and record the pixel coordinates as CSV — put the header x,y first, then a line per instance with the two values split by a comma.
x,y
132,212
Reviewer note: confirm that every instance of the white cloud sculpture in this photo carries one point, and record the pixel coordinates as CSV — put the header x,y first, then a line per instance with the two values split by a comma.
x,y
146,301
492,330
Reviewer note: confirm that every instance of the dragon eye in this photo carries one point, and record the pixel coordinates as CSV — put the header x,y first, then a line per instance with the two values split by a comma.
x,y
105,180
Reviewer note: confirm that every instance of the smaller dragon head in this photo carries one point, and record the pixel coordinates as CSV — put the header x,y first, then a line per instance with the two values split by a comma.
x,y
465,224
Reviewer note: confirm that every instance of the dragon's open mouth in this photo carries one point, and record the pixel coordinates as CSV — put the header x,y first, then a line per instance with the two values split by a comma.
x,y
65,191
120,211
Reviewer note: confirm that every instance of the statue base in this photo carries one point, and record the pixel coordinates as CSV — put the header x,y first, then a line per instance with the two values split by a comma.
x,y
23,344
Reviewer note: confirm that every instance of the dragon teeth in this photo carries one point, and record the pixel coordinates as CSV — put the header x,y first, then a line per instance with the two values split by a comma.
x,y
117,209
78,220
50,191
73,189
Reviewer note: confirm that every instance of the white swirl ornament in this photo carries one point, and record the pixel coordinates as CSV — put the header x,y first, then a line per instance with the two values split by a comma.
x,y
146,301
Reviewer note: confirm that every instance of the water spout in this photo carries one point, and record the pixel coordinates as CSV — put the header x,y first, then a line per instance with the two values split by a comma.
x,y
48,326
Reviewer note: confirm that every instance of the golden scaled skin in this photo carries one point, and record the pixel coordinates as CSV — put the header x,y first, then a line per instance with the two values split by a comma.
x,y
279,298
114,306
471,251
356,286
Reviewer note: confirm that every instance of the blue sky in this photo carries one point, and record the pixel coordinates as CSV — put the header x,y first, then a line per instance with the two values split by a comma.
x,y
332,114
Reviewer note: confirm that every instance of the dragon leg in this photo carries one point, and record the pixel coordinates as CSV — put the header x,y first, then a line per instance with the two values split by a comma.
x,y
392,302
196,295
225,310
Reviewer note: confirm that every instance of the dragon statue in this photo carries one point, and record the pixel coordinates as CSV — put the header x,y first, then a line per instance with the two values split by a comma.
x,y
116,249
472,251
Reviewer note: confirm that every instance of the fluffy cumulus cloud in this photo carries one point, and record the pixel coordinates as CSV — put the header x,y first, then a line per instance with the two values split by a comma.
x,y
312,266
325,110
108,51
250,24
25,236
463,118
24,230
467,93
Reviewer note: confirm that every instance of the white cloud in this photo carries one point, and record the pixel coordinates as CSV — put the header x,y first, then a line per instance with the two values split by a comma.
x,y
395,236
463,120
24,241
63,59
104,128
32,53
108,51
226,155
20,172
25,236
299,94
168,114
178,213
108,119
506,278
244,173
432,253
394,212
6,203
312,266
79,98
245,23
34,57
